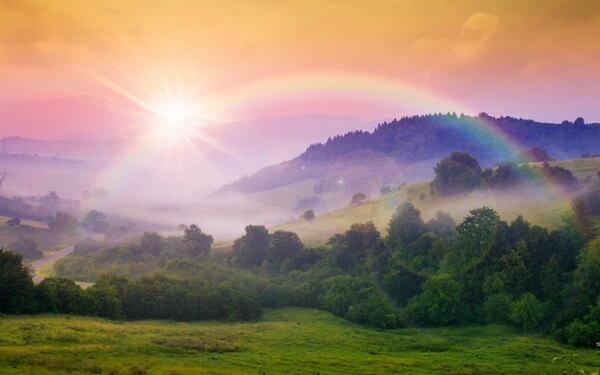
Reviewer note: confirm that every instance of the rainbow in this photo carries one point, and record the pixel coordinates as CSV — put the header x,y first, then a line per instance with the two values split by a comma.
x,y
281,91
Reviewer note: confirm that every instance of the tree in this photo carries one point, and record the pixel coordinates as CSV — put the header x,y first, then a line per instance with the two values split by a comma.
x,y
308,215
507,175
357,199
579,121
52,202
283,245
152,243
442,225
15,221
27,247
439,303
64,223
459,173
527,312
477,231
560,176
582,219
352,248
59,295
405,225
251,248
101,300
16,286
198,243
95,221
534,154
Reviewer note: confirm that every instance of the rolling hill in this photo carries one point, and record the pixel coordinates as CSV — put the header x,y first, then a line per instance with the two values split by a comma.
x,y
539,207
406,150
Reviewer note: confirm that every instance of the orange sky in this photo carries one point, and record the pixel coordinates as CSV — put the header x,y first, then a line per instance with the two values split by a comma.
x,y
535,59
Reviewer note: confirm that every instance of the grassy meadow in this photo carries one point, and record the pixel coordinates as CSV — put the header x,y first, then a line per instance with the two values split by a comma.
x,y
541,208
544,210
290,340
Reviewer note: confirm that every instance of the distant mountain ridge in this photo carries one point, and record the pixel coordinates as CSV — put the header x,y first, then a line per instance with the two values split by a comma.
x,y
64,149
418,140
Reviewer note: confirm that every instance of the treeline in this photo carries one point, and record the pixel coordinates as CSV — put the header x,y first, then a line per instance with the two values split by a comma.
x,y
482,270
214,294
462,173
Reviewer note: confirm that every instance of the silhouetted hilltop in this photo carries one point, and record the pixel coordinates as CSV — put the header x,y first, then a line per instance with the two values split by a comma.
x,y
422,141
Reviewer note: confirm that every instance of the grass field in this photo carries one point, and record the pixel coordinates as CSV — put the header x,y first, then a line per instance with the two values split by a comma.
x,y
290,340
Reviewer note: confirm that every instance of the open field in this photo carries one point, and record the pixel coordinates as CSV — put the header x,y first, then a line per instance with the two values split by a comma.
x,y
291,340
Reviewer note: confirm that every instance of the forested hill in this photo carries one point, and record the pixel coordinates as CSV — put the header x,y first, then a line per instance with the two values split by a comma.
x,y
417,139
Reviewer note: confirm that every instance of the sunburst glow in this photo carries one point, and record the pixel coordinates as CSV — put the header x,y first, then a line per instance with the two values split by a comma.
x,y
176,120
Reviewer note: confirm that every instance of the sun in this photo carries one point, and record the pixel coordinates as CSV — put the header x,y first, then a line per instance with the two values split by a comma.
x,y
175,120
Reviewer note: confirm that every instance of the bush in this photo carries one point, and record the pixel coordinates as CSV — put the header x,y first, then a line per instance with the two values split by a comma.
x,y
527,312
581,334
15,221
439,304
497,307
27,247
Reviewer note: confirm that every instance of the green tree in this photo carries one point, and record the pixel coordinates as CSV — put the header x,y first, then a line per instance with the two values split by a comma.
x,y
442,224
406,224
153,243
583,220
357,199
477,232
534,154
95,221
102,300
64,223
439,303
198,242
251,249
59,295
27,247
497,307
353,247
308,215
283,245
459,173
527,312
16,286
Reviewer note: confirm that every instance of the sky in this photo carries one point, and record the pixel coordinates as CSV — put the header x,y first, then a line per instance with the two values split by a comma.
x,y
102,69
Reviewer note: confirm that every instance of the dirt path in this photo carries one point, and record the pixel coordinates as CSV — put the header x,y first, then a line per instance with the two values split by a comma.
x,y
49,259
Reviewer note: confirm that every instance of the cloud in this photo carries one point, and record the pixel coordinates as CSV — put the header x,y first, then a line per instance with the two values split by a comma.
x,y
477,36
33,34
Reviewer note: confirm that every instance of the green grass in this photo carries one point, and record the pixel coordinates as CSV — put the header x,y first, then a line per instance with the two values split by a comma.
x,y
541,209
581,168
290,340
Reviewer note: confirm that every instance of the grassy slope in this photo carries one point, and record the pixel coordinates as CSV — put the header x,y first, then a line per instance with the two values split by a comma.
x,y
291,340
544,209
580,167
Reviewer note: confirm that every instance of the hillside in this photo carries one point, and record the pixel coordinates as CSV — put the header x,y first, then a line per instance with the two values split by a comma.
x,y
407,149
538,207
301,341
